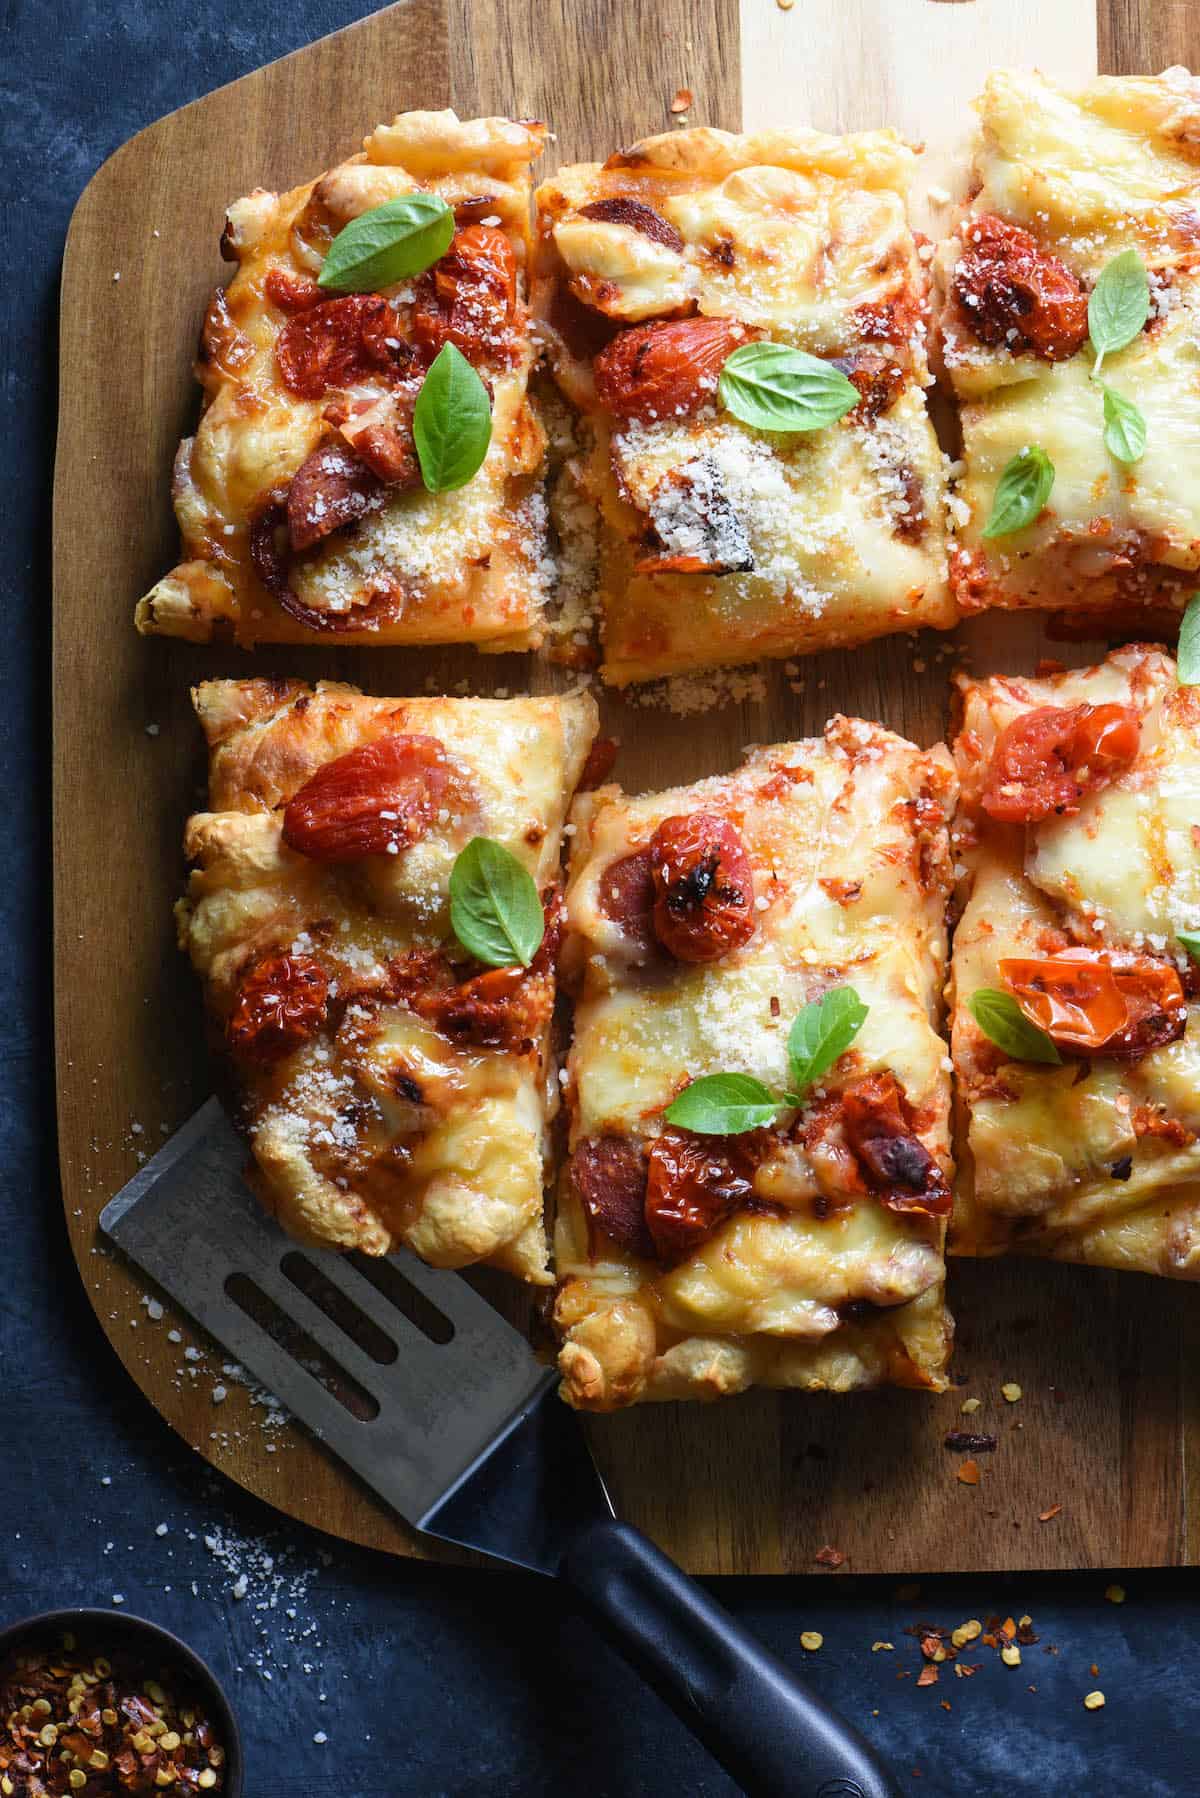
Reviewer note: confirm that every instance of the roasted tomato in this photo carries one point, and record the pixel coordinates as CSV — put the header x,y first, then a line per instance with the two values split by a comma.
x,y
469,298
283,1001
1100,1002
339,342
692,1185
609,1177
1010,291
878,1124
1046,760
375,800
666,370
703,887
499,1008
291,292
625,895
331,488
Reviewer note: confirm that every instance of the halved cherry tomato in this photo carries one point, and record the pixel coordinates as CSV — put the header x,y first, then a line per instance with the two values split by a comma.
x,y
1010,291
666,370
692,1185
376,800
469,297
282,1002
703,887
1099,1002
1047,759
339,342
878,1124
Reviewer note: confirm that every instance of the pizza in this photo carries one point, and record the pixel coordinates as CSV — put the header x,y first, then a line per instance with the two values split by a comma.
x,y
1083,232
759,1166
305,505
389,1066
1076,1035
721,539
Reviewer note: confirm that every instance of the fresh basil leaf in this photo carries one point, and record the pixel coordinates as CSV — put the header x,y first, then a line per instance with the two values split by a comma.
x,y
1021,492
1002,1020
1187,656
723,1105
390,242
776,388
452,422
1124,427
823,1031
1119,305
1191,942
495,911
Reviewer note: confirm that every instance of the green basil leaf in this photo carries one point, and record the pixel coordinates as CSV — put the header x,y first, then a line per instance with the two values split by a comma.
x,y
1124,427
452,422
723,1105
1002,1020
775,388
823,1031
1187,656
1119,305
1191,942
400,238
495,911
1021,492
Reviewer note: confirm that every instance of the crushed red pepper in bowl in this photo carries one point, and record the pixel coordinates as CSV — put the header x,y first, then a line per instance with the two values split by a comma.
x,y
144,1716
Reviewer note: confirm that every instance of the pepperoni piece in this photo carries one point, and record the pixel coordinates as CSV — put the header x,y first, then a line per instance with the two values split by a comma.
x,y
469,297
703,887
625,895
331,488
283,1001
1100,1002
270,543
1010,291
693,1184
339,342
666,370
877,1121
619,209
375,800
608,1174
1046,760
599,764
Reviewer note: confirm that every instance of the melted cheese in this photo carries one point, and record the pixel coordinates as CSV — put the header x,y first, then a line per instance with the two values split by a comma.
x,y
385,1132
846,895
1059,1160
468,565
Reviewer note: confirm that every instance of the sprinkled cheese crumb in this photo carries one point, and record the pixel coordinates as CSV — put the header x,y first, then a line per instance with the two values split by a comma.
x,y
877,1647
812,1639
1115,1594
1011,1391
1094,1701
1010,1654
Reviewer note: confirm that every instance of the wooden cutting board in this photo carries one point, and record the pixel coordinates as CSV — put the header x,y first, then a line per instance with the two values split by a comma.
x,y
760,1484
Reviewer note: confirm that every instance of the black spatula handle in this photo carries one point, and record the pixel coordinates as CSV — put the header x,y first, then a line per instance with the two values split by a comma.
x,y
769,1733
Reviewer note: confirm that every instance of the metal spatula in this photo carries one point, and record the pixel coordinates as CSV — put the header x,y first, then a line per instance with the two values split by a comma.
x,y
415,1382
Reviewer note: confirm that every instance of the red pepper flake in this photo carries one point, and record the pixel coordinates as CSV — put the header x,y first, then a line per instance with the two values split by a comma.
x,y
927,1676
829,1557
1045,1516
968,1473
945,1704
682,100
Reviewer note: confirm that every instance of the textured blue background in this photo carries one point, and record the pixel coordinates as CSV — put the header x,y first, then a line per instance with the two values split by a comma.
x,y
433,1682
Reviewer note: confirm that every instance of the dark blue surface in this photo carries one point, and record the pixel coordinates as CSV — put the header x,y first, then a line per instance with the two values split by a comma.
x,y
434,1682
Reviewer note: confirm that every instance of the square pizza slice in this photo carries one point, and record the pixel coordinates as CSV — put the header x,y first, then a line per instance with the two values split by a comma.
x,y
1076,1029
1082,235
759,1098
375,911
367,463
741,323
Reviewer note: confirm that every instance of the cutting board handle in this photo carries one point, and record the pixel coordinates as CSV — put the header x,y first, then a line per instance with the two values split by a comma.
x,y
772,1735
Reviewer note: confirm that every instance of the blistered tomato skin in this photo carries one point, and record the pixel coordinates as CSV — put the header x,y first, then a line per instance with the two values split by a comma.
x,y
469,298
283,1001
693,1184
703,887
666,370
897,1165
1096,1002
1046,760
1010,292
339,342
376,800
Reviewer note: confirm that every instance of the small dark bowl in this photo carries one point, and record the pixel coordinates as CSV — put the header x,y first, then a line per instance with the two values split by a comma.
x,y
137,1635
